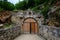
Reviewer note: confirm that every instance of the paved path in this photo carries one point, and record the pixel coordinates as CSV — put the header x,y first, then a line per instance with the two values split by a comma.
x,y
28,37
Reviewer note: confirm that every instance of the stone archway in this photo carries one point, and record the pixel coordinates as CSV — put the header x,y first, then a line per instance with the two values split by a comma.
x,y
30,25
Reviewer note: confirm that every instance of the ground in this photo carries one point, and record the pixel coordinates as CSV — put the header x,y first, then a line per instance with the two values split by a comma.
x,y
28,37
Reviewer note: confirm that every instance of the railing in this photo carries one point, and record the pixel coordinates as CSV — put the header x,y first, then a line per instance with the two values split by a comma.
x,y
49,33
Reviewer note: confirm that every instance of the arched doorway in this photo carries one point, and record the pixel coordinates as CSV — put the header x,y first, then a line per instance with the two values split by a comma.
x,y
30,25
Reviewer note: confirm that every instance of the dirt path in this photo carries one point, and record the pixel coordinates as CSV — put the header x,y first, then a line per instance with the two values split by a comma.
x,y
28,37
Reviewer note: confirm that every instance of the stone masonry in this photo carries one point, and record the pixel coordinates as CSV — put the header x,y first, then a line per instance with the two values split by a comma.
x,y
9,33
48,32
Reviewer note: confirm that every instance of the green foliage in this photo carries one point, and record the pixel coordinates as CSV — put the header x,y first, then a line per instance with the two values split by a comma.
x,y
26,4
21,5
38,2
6,5
31,3
44,11
1,9
6,25
45,6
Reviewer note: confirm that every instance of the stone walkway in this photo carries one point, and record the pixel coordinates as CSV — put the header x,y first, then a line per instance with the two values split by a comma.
x,y
28,37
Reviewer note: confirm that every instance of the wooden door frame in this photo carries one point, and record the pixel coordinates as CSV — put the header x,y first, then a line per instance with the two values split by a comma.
x,y
30,18
34,20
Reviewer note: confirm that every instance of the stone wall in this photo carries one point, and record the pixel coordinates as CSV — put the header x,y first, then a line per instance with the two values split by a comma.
x,y
49,33
9,33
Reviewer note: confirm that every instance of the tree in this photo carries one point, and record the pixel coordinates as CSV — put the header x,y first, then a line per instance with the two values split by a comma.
x,y
38,2
8,6
21,5
5,5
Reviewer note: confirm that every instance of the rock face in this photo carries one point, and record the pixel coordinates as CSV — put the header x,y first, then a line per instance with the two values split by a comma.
x,y
1,26
15,19
54,15
4,15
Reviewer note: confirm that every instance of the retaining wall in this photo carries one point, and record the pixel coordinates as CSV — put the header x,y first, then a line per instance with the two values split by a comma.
x,y
49,33
9,33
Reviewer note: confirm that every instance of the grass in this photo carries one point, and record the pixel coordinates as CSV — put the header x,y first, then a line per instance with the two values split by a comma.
x,y
8,25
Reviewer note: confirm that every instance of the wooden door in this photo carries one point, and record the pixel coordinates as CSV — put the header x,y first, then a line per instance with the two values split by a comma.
x,y
26,27
34,27
30,27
